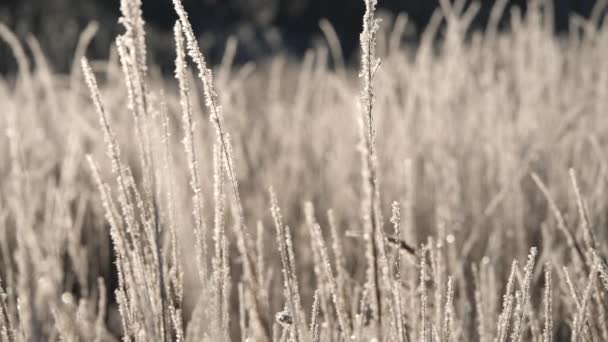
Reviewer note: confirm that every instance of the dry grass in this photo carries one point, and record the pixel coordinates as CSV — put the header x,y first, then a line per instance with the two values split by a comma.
x,y
482,149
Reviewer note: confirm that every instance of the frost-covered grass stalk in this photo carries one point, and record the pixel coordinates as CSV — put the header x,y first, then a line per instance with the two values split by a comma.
x,y
369,204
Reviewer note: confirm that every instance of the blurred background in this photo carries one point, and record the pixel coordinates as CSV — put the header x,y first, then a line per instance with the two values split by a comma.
x,y
262,27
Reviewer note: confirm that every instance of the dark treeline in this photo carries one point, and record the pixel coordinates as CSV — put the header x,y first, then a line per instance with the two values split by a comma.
x,y
262,26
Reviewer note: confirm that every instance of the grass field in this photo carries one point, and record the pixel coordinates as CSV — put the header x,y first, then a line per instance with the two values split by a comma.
x,y
455,191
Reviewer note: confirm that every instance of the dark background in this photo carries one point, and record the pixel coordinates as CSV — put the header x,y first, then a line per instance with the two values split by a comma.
x,y
262,26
